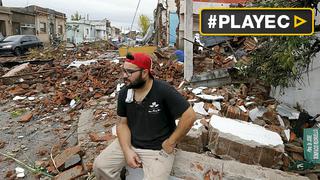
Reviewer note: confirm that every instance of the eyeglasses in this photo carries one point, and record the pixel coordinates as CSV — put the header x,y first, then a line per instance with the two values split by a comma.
x,y
129,72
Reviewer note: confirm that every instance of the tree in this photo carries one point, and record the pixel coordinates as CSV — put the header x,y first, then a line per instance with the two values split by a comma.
x,y
76,16
144,23
282,60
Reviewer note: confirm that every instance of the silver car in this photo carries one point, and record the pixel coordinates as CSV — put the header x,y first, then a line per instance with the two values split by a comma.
x,y
19,44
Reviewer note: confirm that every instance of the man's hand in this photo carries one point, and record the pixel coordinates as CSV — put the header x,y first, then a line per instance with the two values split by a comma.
x,y
133,159
168,147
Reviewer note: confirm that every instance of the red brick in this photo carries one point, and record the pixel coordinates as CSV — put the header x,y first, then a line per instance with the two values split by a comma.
x,y
223,146
297,157
70,173
194,141
26,118
96,138
256,155
97,95
17,91
65,155
51,169
247,154
269,157
2,144
89,166
244,116
10,174
235,149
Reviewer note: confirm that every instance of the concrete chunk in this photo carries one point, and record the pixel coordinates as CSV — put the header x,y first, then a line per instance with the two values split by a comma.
x,y
195,141
189,165
245,142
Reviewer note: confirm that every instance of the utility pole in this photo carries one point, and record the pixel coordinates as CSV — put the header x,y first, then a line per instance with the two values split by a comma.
x,y
188,46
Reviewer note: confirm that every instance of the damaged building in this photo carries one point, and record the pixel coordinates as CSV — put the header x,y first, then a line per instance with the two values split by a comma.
x,y
46,23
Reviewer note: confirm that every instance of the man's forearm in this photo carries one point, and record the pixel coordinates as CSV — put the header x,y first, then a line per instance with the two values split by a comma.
x,y
124,136
184,125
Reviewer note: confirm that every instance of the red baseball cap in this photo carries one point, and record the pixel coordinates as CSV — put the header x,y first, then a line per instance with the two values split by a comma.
x,y
141,60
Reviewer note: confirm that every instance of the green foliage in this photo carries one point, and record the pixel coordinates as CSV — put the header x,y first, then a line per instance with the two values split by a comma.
x,y
144,23
17,113
278,3
281,61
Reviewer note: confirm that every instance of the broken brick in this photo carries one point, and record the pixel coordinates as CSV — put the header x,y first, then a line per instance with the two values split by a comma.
x,y
297,156
42,152
2,144
26,118
10,174
51,169
293,148
96,138
17,91
41,163
230,147
65,155
89,166
24,86
70,173
97,95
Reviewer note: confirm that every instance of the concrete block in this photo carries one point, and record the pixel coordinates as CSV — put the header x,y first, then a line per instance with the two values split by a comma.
x,y
195,166
245,142
195,141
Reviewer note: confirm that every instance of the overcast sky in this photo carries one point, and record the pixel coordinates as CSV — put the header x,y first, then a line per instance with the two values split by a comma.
x,y
119,12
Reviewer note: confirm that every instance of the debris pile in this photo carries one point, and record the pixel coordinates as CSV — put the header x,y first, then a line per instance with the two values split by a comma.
x,y
62,112
241,122
65,53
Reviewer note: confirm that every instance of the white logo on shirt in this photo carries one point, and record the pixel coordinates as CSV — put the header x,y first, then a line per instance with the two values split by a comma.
x,y
154,108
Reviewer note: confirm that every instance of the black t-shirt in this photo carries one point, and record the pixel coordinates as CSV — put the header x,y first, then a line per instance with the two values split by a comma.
x,y
153,120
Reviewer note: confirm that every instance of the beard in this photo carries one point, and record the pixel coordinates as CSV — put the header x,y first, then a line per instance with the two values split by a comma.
x,y
136,84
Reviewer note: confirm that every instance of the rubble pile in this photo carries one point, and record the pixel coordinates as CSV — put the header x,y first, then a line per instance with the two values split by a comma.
x,y
224,54
252,112
63,112
66,53
58,85
44,101
170,71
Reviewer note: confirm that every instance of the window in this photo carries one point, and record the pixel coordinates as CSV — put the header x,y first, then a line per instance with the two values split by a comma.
x,y
33,38
43,27
87,31
60,29
25,39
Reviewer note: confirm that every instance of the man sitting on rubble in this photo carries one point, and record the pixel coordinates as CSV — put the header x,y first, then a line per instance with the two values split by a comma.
x,y
147,133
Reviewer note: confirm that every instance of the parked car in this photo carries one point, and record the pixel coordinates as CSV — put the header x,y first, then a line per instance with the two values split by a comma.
x,y
1,36
19,44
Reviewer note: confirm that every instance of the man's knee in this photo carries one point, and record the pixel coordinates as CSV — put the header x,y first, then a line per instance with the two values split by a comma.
x,y
98,163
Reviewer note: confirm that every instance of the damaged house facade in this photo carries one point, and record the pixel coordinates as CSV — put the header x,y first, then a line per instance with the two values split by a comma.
x,y
85,30
197,5
5,21
33,20
23,22
49,23
169,19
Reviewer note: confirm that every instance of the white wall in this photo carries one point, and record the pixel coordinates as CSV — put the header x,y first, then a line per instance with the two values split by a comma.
x,y
307,95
